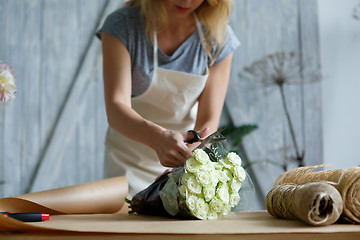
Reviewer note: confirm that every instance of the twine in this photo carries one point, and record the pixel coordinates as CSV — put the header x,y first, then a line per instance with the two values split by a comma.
x,y
316,204
346,181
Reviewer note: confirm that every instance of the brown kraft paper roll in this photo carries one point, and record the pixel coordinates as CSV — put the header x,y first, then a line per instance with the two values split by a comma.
x,y
103,196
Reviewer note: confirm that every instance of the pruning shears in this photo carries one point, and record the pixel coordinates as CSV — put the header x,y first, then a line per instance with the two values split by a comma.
x,y
212,138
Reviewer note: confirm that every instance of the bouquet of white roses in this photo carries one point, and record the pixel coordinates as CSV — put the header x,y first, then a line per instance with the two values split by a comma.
x,y
207,187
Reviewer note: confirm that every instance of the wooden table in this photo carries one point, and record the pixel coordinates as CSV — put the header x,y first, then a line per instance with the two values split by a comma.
x,y
241,225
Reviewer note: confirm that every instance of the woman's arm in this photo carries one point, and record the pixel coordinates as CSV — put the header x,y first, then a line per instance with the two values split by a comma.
x,y
212,99
169,145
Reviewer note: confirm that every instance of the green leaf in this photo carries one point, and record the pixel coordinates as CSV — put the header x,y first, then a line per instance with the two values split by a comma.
x,y
236,134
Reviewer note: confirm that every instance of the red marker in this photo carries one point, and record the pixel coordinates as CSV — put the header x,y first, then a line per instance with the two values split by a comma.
x,y
29,217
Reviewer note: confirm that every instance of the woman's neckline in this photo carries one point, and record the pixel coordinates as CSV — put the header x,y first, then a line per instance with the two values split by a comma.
x,y
176,35
175,51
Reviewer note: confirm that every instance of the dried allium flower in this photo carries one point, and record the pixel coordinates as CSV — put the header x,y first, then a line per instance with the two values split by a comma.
x,y
279,69
7,83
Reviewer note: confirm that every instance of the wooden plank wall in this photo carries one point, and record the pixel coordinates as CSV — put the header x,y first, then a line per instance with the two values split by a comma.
x,y
45,42
265,27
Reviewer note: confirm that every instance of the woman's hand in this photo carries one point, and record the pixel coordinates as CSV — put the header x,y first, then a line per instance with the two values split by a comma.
x,y
171,147
202,134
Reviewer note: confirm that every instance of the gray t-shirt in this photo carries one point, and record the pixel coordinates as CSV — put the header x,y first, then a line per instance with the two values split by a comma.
x,y
127,25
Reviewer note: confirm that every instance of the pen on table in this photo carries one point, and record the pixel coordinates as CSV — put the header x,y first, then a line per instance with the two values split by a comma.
x,y
28,217
5,213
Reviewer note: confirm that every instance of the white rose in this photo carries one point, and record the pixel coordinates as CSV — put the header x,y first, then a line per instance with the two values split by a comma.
x,y
234,199
191,202
201,209
203,177
216,205
183,191
212,215
218,165
223,192
214,177
185,177
234,159
225,162
226,209
208,167
223,176
235,185
201,156
239,173
200,214
191,165
209,193
193,185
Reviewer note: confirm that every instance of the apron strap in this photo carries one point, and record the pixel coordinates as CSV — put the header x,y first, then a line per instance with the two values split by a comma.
x,y
155,51
200,32
203,42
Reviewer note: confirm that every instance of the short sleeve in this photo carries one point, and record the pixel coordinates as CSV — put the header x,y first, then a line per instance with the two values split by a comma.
x,y
116,25
230,44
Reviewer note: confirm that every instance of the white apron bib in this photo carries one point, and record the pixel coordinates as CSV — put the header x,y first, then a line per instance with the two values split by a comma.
x,y
171,102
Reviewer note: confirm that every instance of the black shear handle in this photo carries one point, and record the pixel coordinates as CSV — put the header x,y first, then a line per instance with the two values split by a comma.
x,y
195,138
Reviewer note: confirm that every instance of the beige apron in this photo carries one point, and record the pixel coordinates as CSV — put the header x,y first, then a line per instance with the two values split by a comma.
x,y
171,102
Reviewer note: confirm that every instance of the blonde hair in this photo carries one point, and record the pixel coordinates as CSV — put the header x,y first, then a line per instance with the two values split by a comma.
x,y
214,14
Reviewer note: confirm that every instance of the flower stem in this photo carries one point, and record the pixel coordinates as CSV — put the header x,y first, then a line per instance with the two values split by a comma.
x,y
283,98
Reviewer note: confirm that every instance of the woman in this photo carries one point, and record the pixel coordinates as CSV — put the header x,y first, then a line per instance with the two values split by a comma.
x,y
166,71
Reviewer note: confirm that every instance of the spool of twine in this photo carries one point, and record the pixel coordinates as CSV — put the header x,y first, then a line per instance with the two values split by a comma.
x,y
317,204
346,181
